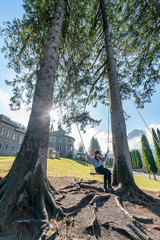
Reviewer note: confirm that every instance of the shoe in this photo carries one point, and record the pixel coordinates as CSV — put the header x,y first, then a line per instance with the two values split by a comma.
x,y
105,189
110,189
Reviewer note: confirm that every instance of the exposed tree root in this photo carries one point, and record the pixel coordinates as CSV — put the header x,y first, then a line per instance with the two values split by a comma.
x,y
94,227
136,220
123,232
143,220
98,189
40,201
82,203
100,198
94,213
136,193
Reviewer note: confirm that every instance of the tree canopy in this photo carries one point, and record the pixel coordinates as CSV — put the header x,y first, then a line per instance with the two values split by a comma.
x,y
82,76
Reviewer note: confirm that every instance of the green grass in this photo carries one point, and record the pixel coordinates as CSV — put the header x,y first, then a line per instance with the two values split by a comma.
x,y
147,184
65,167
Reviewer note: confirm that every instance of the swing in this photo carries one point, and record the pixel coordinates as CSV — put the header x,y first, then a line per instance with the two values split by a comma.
x,y
92,170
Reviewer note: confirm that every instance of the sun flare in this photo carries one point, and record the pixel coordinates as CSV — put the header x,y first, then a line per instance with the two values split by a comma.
x,y
52,113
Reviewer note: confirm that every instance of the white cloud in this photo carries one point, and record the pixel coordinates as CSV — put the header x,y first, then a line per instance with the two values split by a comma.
x,y
4,98
135,143
92,132
102,137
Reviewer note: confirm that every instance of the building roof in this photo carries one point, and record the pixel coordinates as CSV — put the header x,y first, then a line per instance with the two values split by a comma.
x,y
21,130
60,133
3,118
6,120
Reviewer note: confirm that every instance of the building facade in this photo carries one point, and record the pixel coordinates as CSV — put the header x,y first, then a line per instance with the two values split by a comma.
x,y
61,143
11,137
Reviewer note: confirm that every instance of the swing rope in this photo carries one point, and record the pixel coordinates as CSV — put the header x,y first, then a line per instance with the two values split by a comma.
x,y
140,114
108,127
92,170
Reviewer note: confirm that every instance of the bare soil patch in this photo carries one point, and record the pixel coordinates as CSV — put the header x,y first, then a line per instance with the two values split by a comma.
x,y
95,215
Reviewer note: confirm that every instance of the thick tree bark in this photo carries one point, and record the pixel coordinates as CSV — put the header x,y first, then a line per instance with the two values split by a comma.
x,y
123,173
29,170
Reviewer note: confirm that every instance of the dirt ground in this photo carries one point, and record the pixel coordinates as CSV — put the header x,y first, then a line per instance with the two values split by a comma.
x,y
96,215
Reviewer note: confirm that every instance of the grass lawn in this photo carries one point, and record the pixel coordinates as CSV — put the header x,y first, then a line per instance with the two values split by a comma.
x,y
65,167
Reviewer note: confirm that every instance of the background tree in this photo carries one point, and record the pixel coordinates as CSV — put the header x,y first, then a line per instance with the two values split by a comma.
x,y
158,134
148,158
136,159
94,145
157,147
80,148
109,162
139,163
133,160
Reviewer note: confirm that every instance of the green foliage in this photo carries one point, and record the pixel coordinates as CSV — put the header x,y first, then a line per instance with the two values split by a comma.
x,y
80,148
136,159
137,35
109,162
133,159
94,145
139,164
156,146
25,41
158,134
82,76
149,161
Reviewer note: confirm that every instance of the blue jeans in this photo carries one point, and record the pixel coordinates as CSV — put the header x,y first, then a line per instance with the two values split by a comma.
x,y
106,173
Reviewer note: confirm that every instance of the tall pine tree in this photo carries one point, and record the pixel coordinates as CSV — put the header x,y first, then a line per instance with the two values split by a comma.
x,y
158,134
156,146
149,161
139,164
94,145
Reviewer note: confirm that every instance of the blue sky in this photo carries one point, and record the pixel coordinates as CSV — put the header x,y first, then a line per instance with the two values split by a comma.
x,y
151,113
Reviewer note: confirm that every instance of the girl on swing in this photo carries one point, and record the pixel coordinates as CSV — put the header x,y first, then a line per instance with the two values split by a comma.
x,y
97,162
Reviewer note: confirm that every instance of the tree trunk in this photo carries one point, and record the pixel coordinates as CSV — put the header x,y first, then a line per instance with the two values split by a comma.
x,y
122,173
154,177
29,170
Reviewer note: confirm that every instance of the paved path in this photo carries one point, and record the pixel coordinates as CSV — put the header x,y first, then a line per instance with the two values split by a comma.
x,y
141,174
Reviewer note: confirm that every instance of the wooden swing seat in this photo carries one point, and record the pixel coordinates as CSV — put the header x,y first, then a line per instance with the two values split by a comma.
x,y
94,173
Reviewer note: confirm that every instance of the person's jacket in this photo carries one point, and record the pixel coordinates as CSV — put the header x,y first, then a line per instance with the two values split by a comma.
x,y
94,162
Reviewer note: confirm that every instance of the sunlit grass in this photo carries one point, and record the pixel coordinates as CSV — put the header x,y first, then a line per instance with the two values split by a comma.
x,y
71,168
147,184
65,167
5,165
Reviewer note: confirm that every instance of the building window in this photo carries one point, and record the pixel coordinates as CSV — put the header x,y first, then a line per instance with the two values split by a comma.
x,y
70,148
20,139
3,132
12,149
6,147
14,136
59,148
9,134
0,145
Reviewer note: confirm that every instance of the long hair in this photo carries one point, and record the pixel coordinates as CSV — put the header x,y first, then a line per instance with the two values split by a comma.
x,y
96,152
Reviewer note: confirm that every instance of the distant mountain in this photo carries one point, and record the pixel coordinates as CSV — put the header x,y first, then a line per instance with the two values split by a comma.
x,y
135,133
